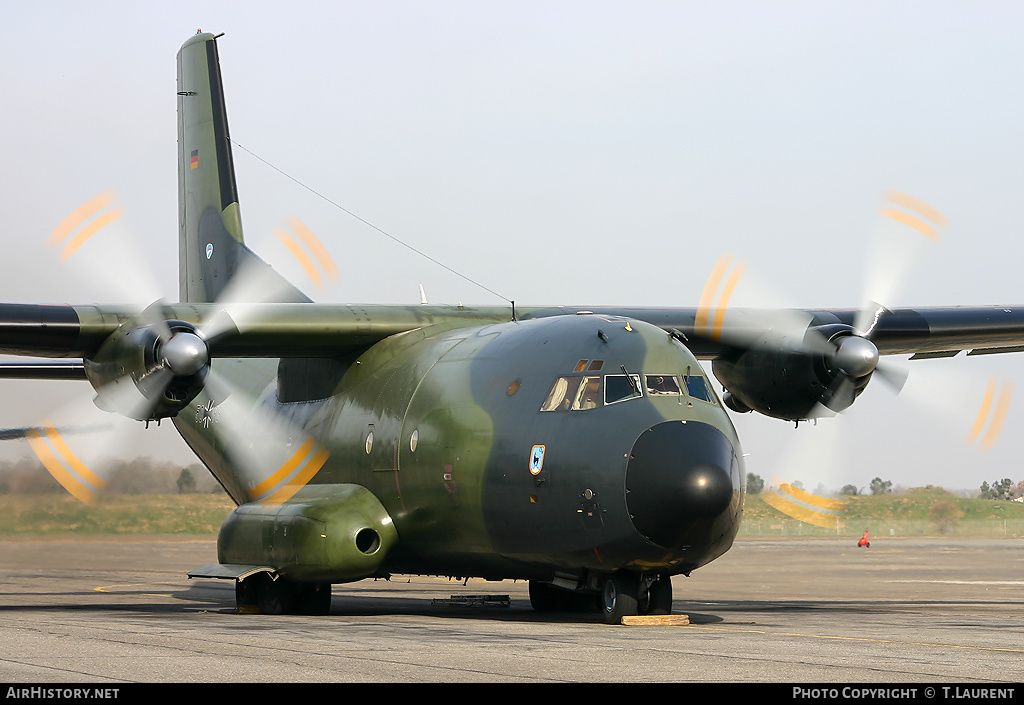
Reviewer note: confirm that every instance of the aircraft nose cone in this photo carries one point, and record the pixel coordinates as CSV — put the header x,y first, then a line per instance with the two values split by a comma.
x,y
680,482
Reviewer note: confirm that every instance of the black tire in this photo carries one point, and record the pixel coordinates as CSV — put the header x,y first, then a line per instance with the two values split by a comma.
x,y
245,596
283,596
659,597
544,598
312,598
620,595
273,596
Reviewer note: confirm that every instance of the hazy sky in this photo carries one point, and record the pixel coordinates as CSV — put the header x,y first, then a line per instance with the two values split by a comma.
x,y
558,153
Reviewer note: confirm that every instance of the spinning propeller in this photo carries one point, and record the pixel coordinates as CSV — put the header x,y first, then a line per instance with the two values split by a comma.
x,y
849,351
846,352
156,365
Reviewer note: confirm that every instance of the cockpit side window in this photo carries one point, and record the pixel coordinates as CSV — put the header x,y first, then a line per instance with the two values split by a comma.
x,y
573,393
589,394
562,394
697,387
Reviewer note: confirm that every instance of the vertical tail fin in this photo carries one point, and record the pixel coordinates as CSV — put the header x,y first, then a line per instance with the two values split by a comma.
x,y
211,250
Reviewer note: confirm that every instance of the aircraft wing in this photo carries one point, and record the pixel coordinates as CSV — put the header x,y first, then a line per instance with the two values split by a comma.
x,y
923,332
263,330
330,330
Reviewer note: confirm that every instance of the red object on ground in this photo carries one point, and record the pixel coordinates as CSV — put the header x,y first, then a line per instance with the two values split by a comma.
x,y
863,541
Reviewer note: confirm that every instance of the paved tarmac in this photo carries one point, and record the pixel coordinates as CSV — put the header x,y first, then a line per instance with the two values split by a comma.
x,y
770,611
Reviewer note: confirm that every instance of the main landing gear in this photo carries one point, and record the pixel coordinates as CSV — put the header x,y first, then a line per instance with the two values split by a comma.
x,y
269,595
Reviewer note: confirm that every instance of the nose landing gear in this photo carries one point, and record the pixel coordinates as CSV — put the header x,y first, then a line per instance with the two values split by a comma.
x,y
621,594
625,594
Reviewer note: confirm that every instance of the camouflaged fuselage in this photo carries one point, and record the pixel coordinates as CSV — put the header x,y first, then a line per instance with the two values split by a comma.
x,y
514,450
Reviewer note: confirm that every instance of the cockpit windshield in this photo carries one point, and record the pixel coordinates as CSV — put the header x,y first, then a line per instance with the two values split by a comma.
x,y
579,392
621,388
663,385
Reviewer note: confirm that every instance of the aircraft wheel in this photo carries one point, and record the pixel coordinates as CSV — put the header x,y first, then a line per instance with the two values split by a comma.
x,y
659,597
283,596
619,597
312,598
544,598
245,596
273,596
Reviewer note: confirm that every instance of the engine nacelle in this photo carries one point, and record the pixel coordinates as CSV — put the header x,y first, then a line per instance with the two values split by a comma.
x,y
149,372
325,533
829,367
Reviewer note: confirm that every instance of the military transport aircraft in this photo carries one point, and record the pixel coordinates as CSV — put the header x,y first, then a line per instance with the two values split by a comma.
x,y
580,448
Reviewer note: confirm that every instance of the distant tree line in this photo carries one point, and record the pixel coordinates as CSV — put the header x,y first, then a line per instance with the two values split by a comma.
x,y
1003,489
135,476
